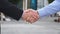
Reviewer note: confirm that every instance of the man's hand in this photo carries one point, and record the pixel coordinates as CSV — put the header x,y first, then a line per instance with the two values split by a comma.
x,y
30,15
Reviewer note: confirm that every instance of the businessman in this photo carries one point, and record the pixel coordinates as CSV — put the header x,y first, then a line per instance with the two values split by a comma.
x,y
52,8
12,11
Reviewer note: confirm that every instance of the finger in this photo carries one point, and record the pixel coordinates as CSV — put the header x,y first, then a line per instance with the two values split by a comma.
x,y
25,16
32,20
26,11
35,16
29,19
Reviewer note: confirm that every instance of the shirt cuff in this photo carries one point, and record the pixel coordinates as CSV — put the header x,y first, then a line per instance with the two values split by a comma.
x,y
41,12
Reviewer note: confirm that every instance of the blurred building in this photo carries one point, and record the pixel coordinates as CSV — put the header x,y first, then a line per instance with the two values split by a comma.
x,y
34,4
27,4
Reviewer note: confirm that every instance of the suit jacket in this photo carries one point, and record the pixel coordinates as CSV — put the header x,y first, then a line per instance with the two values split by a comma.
x,y
10,9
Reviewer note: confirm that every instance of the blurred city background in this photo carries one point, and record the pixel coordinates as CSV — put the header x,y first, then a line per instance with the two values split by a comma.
x,y
27,4
48,21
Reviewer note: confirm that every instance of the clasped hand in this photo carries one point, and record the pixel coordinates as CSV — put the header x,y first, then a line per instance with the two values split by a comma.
x,y
30,15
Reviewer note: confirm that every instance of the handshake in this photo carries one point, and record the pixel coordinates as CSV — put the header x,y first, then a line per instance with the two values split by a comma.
x,y
30,15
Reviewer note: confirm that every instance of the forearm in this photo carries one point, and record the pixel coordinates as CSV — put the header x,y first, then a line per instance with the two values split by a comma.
x,y
50,9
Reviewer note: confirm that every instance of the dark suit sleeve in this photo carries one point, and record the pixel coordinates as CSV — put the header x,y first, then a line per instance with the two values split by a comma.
x,y
10,9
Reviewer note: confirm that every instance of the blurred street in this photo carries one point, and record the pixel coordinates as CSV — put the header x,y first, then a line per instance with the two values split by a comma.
x,y
42,26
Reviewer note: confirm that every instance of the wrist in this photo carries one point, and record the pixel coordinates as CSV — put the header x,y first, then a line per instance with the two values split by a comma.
x,y
38,13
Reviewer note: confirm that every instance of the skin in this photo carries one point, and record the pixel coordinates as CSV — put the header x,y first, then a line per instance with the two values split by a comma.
x,y
30,16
